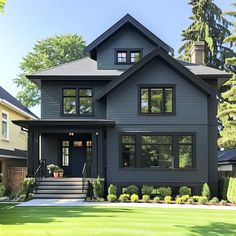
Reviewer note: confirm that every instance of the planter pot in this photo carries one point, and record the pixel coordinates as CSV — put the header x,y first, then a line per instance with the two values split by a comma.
x,y
61,174
55,174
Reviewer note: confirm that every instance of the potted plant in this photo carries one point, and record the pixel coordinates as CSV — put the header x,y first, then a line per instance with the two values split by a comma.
x,y
61,173
56,172
51,168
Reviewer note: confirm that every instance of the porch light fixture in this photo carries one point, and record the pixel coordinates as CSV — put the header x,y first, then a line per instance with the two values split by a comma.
x,y
71,134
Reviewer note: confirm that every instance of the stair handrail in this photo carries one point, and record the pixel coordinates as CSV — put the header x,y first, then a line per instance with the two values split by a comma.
x,y
84,176
40,173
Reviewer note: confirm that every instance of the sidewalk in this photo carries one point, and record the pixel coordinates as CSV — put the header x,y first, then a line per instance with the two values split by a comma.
x,y
77,202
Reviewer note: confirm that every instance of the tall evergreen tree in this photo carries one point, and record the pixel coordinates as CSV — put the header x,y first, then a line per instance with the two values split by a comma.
x,y
210,26
227,107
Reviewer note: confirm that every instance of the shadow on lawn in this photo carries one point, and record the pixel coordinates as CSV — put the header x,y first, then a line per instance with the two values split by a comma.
x,y
215,228
12,215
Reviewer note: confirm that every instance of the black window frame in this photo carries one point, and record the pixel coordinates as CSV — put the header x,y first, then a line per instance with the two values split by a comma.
x,y
156,86
128,55
68,96
175,151
77,113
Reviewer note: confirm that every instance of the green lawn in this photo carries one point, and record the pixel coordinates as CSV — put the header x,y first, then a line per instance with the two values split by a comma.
x,y
69,221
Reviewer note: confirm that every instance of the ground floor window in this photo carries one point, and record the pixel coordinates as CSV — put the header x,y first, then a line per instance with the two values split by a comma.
x,y
65,153
167,151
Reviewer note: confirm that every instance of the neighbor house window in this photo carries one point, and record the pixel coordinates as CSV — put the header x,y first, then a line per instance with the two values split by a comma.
x,y
156,100
128,150
157,151
85,101
69,101
77,101
185,151
128,56
5,125
65,153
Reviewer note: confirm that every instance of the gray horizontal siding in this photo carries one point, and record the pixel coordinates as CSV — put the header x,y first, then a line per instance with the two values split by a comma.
x,y
126,37
191,104
51,97
116,174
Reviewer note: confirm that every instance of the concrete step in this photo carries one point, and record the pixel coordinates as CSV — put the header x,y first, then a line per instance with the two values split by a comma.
x,y
59,196
50,179
57,183
44,187
60,191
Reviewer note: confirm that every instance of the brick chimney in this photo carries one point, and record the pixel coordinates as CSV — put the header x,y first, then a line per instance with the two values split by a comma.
x,y
197,52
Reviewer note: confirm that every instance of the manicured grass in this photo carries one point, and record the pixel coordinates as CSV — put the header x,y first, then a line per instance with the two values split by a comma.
x,y
122,221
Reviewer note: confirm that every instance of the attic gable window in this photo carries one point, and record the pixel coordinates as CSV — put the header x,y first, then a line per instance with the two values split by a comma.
x,y
127,56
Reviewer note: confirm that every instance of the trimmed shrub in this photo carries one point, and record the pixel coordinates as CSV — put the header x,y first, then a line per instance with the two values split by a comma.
x,y
223,202
146,198
156,199
167,199
147,190
134,198
190,200
202,200
195,198
206,191
28,185
230,190
223,187
111,197
98,189
185,198
184,190
164,191
178,200
124,197
2,190
214,200
112,189
132,189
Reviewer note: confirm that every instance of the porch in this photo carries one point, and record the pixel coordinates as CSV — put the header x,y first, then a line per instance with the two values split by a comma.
x,y
71,144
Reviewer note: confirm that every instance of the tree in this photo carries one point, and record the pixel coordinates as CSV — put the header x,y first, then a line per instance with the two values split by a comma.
x,y
227,106
47,53
2,4
211,27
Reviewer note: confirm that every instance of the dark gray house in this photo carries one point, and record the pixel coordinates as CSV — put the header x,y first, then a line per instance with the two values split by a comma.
x,y
130,111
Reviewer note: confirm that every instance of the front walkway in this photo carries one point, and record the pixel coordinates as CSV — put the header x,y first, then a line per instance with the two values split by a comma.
x,y
79,202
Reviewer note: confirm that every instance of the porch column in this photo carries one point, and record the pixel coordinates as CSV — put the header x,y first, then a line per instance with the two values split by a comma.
x,y
33,151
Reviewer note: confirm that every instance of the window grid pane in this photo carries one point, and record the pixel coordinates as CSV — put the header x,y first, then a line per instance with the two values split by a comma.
x,y
128,151
122,57
65,153
135,56
144,100
156,100
168,100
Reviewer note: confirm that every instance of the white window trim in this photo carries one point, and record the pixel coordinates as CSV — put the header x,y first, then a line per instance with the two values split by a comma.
x,y
7,121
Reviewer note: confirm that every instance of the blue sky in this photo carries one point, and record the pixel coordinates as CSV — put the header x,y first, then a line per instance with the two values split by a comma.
x,y
26,21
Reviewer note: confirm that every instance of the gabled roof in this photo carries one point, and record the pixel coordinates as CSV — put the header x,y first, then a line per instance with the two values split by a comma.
x,y
128,19
9,100
227,155
173,63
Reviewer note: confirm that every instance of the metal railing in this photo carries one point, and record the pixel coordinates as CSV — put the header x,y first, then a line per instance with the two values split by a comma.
x,y
40,173
84,175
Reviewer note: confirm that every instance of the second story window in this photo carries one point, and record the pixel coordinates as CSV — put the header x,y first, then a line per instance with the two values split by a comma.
x,y
156,100
77,101
5,126
127,56
69,101
85,101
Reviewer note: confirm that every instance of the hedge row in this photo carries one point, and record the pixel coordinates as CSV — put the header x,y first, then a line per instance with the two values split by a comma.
x,y
231,193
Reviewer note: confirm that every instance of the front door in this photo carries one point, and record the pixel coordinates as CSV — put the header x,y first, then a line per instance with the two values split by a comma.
x,y
73,157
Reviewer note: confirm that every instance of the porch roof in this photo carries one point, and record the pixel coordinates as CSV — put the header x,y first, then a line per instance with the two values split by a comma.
x,y
64,122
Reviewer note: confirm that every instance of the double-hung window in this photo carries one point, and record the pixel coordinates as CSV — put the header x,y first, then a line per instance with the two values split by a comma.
x,y
77,101
5,125
156,100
